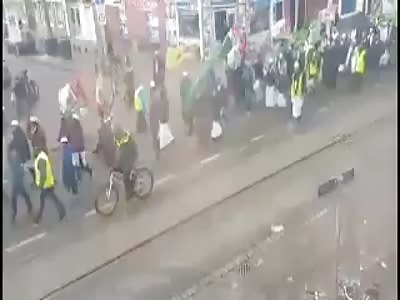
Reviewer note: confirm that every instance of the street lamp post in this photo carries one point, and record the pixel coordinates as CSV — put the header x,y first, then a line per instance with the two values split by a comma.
x,y
324,189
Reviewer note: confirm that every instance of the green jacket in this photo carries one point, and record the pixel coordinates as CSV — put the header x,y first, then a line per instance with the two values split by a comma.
x,y
186,94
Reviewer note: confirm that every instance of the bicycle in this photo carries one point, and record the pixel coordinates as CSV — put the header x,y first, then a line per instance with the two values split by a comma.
x,y
110,192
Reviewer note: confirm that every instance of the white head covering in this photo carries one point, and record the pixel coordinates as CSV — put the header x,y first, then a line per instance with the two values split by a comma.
x,y
152,84
34,119
14,123
64,139
75,116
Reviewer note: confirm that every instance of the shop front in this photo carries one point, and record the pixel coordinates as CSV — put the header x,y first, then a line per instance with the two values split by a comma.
x,y
219,16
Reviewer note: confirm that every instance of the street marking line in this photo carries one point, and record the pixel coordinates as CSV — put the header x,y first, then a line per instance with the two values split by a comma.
x,y
165,179
210,159
317,216
256,138
90,213
25,242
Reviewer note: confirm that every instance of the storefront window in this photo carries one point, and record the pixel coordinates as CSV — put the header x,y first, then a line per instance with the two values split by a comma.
x,y
278,11
189,25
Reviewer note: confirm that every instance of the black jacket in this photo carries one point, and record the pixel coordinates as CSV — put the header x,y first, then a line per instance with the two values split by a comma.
x,y
20,144
127,155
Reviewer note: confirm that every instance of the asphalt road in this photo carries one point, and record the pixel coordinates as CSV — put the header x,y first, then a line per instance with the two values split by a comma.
x,y
306,250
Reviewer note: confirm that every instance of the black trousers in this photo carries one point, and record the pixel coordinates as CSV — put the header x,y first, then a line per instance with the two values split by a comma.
x,y
49,193
19,190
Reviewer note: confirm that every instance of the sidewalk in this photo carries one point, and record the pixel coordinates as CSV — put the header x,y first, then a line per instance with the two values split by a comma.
x,y
105,247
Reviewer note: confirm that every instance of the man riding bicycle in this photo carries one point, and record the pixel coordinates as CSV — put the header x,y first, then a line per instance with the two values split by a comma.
x,y
126,156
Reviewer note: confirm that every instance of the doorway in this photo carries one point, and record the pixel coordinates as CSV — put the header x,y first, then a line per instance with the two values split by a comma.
x,y
221,26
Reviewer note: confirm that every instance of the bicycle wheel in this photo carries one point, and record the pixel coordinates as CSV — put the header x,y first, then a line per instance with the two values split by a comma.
x,y
143,184
104,205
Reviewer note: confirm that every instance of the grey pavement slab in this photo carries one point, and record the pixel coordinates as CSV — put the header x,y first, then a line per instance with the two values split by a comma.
x,y
109,243
179,258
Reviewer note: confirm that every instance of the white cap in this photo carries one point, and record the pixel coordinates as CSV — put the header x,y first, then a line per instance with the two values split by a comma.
x,y
14,123
75,116
34,119
64,139
152,84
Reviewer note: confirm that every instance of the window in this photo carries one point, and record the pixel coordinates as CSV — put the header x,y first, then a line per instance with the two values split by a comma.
x,y
72,15
78,18
189,25
278,11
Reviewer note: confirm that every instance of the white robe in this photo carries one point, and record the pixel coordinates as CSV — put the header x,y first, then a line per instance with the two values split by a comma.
x,y
297,106
270,96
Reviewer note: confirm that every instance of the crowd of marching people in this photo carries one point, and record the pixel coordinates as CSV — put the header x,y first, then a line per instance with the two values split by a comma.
x,y
279,80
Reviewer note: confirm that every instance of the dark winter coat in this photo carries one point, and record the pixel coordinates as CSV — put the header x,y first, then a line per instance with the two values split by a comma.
x,y
185,93
63,129
20,144
75,135
68,170
39,141
158,75
17,171
164,105
220,101
258,70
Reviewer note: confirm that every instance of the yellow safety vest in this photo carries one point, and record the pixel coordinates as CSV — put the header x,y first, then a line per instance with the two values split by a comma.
x,y
138,103
296,89
49,181
122,140
313,65
360,62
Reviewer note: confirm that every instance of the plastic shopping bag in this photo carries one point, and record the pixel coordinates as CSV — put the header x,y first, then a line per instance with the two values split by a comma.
x,y
384,59
281,100
165,135
270,96
216,130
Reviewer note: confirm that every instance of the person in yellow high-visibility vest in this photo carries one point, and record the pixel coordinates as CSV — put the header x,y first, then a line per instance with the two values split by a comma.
x,y
297,88
313,68
44,180
360,67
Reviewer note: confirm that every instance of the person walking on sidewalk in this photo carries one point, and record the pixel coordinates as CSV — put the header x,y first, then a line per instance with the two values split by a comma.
x,y
77,142
45,181
37,136
19,142
18,187
69,174
360,61
297,91
186,98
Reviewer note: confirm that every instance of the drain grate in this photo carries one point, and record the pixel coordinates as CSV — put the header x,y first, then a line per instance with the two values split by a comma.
x,y
244,268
